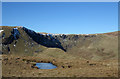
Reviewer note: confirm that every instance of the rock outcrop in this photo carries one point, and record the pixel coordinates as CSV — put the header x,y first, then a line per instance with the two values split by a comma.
x,y
89,46
45,40
14,36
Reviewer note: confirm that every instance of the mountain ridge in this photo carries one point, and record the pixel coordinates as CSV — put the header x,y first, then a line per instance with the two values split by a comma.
x,y
60,33
88,46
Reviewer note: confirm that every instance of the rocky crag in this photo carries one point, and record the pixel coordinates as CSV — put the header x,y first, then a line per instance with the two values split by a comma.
x,y
23,41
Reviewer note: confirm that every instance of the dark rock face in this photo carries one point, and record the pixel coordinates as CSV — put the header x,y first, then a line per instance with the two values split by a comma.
x,y
3,35
14,36
23,41
45,40
15,33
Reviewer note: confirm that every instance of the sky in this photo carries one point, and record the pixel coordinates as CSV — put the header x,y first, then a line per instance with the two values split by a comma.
x,y
62,17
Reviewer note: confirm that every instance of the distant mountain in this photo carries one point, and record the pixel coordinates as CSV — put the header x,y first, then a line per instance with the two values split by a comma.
x,y
23,41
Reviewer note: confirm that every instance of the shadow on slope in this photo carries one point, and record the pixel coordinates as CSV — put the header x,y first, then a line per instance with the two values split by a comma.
x,y
14,36
45,40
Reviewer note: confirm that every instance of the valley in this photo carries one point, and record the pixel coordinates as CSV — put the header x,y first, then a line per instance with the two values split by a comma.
x,y
75,55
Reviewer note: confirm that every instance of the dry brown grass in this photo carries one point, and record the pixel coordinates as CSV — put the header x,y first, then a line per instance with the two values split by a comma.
x,y
20,66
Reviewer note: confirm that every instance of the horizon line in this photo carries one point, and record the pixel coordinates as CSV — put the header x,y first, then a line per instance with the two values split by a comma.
x,y
62,33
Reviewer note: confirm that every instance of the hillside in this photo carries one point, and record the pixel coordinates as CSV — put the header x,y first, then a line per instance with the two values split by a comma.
x,y
88,46
75,55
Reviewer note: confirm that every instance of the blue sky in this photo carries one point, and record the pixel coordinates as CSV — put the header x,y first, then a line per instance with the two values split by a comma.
x,y
62,17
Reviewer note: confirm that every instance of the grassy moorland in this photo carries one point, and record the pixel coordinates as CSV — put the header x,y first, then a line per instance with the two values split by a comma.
x,y
92,55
